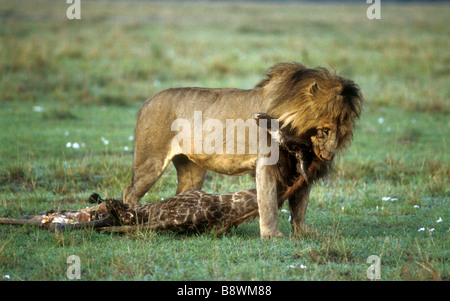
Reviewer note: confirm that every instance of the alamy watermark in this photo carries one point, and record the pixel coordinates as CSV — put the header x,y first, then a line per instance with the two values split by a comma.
x,y
74,10
207,137
374,11
374,270
74,270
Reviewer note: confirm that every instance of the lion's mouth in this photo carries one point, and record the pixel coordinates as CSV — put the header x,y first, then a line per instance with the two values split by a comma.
x,y
324,156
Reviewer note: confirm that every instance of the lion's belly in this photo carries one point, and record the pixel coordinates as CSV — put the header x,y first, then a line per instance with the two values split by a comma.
x,y
226,164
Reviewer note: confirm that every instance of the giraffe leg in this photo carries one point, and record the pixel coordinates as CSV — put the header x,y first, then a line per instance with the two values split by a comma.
x,y
189,174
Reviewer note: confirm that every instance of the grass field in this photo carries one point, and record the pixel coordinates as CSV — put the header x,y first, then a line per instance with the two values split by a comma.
x,y
70,91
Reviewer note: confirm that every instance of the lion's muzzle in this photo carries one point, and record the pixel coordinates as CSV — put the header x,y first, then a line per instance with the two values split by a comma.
x,y
326,157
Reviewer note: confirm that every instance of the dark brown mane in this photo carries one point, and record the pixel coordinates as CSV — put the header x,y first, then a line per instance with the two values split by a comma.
x,y
286,170
297,163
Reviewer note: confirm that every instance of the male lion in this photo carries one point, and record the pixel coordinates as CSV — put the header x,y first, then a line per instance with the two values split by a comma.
x,y
315,105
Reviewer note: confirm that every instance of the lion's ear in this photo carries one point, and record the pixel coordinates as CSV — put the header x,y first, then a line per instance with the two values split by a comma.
x,y
312,88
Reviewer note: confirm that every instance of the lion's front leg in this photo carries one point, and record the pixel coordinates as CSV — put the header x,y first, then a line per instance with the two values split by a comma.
x,y
299,203
266,186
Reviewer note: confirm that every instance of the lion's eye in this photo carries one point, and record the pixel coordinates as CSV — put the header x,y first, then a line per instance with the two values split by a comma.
x,y
325,131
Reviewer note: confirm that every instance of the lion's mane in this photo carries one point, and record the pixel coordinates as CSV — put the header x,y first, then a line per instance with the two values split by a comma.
x,y
300,97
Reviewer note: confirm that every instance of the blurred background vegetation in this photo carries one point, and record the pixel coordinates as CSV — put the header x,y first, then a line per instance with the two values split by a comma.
x,y
70,91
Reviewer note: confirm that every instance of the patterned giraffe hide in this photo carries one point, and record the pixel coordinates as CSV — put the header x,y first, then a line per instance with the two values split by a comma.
x,y
190,210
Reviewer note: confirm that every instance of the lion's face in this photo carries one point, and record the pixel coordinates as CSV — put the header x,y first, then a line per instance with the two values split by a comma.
x,y
329,136
325,142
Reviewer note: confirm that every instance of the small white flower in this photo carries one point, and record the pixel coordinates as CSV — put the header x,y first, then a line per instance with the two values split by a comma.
x,y
76,145
416,206
7,276
285,210
126,148
386,198
421,229
105,141
68,145
380,120
38,109
131,138
439,220
293,266
171,53
431,230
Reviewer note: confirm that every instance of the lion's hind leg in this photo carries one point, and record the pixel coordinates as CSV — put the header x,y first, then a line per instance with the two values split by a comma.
x,y
189,174
145,174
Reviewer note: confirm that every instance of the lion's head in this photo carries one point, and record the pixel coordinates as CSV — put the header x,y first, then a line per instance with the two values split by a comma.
x,y
315,104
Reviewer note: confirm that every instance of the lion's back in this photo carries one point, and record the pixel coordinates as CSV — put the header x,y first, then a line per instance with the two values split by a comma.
x,y
219,103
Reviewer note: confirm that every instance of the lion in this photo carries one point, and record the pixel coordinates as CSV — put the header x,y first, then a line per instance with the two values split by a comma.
x,y
314,105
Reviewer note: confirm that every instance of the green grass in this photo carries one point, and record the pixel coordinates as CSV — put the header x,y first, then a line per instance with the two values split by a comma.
x,y
80,81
